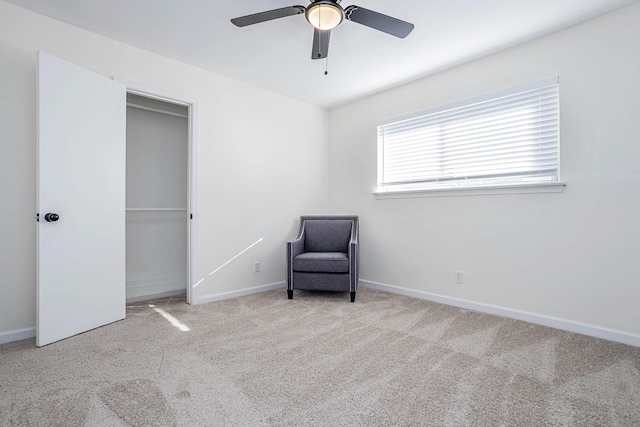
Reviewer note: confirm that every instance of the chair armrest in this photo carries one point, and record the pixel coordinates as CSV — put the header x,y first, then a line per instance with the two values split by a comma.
x,y
353,242
295,247
354,259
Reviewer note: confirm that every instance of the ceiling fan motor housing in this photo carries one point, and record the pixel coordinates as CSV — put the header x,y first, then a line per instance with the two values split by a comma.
x,y
325,14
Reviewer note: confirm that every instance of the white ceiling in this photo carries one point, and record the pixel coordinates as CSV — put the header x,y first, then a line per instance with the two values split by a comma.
x,y
276,55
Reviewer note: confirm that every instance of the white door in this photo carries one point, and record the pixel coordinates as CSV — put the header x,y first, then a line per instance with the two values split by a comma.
x,y
81,179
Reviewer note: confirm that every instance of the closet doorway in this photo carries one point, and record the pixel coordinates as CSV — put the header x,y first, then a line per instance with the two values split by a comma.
x,y
81,201
159,205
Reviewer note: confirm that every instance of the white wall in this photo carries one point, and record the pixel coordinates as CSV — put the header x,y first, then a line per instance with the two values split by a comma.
x,y
573,255
263,159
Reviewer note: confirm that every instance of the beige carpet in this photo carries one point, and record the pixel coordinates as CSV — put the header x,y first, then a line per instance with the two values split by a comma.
x,y
385,360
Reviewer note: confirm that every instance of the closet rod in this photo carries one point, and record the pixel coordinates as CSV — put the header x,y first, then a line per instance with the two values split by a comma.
x,y
157,110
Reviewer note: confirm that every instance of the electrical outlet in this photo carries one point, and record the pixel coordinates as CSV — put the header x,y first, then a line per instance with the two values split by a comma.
x,y
256,267
459,277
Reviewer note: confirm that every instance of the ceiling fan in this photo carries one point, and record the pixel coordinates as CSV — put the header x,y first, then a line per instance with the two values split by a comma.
x,y
324,15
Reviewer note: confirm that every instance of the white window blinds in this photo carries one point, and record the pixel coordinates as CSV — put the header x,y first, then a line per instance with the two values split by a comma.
x,y
511,137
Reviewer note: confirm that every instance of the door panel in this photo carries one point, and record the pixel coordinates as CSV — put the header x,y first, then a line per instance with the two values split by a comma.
x,y
81,177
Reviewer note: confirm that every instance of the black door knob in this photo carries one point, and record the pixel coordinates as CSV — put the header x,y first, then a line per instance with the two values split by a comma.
x,y
51,217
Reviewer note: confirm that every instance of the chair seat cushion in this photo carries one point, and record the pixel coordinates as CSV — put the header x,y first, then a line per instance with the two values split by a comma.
x,y
321,262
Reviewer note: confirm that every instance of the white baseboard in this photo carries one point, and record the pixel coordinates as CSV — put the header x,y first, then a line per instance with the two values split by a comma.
x,y
167,294
17,335
539,319
137,289
21,334
239,293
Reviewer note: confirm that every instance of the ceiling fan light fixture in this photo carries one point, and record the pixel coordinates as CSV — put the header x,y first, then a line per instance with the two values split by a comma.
x,y
324,15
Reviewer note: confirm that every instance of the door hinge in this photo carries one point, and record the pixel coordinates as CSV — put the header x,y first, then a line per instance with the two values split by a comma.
x,y
190,216
38,217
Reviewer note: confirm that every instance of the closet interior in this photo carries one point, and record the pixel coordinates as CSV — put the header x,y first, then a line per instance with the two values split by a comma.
x,y
156,198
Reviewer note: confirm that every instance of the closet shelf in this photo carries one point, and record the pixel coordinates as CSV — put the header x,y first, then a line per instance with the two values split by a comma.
x,y
156,209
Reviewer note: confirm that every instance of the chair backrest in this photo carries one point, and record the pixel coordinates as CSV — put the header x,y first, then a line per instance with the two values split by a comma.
x,y
327,235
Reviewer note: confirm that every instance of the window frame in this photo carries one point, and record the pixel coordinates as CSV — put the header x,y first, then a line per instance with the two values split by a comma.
x,y
501,185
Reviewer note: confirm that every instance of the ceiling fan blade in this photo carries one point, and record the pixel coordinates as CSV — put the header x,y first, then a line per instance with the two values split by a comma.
x,y
378,21
256,18
320,44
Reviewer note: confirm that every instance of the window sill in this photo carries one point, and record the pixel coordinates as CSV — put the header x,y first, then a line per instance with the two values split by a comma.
x,y
552,187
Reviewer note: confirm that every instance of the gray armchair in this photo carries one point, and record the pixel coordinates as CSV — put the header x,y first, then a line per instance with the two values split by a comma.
x,y
324,255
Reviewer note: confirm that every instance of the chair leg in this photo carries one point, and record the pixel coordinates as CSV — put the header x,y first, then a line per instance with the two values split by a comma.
x,y
290,293
353,296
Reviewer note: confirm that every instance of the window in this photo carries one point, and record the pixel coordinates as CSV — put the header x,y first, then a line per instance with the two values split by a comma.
x,y
504,139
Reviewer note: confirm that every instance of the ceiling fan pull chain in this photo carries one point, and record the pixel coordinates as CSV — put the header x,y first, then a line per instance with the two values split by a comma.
x,y
326,66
